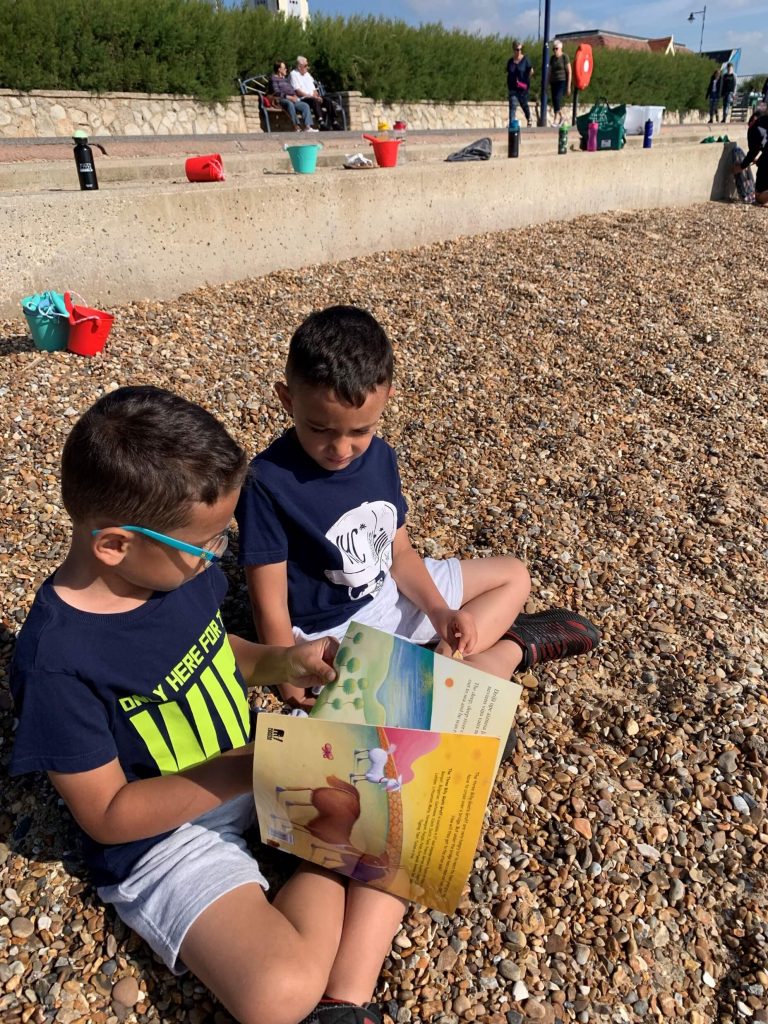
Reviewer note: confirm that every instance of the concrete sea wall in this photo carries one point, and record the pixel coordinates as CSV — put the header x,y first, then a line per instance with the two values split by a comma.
x,y
138,241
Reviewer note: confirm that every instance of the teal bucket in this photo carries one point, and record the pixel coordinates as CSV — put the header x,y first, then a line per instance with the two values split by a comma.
x,y
48,325
304,158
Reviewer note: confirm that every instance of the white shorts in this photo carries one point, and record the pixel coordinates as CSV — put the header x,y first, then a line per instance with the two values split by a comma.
x,y
392,612
183,874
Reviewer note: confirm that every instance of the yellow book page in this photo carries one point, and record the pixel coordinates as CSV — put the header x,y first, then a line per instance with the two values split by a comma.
x,y
397,809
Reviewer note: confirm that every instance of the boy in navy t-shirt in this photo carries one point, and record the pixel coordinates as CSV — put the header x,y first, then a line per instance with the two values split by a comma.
x,y
322,525
132,697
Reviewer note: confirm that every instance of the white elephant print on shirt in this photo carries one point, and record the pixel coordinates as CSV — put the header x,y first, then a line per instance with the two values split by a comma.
x,y
364,538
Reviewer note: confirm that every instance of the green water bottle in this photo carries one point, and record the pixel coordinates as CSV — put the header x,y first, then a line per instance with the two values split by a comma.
x,y
562,140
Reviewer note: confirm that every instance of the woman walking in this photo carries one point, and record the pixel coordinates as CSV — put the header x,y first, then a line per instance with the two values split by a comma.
x,y
519,72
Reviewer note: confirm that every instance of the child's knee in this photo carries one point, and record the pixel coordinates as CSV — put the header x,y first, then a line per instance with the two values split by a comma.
x,y
519,577
283,997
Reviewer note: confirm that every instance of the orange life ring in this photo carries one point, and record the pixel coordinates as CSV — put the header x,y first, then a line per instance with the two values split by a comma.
x,y
583,64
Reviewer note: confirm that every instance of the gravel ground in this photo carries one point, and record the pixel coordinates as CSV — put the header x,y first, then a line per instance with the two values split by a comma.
x,y
589,396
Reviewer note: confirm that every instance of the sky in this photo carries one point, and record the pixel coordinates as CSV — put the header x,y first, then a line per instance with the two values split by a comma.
x,y
727,23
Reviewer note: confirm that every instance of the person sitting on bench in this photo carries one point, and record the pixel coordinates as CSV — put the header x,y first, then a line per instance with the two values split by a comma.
x,y
292,104
307,89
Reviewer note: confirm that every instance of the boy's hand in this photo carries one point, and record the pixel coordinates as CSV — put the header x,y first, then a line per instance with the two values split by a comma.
x,y
311,663
457,628
296,696
308,665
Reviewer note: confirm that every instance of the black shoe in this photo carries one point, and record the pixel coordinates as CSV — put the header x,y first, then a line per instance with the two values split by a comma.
x,y
549,636
333,1011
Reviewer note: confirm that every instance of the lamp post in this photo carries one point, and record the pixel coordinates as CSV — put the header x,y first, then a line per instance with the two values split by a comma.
x,y
544,68
692,17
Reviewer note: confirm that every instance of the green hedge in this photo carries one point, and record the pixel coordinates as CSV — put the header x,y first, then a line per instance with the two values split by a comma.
x,y
193,47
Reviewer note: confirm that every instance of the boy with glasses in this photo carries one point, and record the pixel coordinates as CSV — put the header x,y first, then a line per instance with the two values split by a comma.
x,y
133,699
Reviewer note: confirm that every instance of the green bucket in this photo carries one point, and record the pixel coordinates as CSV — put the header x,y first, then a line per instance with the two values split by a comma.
x,y
304,158
48,321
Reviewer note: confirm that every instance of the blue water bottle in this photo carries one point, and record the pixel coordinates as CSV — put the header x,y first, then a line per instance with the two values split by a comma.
x,y
648,134
513,139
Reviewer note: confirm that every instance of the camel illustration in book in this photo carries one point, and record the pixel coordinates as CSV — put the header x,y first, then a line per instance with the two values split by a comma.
x,y
337,806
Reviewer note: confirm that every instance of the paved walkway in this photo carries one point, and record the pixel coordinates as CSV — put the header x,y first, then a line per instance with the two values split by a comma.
x,y
45,149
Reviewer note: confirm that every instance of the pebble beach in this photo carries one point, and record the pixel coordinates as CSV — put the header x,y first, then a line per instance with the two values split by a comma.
x,y
589,396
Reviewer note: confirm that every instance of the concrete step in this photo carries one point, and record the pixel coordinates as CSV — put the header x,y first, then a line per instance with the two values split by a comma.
x,y
245,157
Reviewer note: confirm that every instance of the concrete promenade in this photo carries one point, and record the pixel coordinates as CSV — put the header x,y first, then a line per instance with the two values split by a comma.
x,y
148,233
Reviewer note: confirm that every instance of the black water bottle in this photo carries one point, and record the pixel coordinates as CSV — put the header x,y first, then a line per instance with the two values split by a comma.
x,y
86,169
513,138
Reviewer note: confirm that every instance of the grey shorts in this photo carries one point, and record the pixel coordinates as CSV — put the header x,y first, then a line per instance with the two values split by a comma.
x,y
394,613
183,874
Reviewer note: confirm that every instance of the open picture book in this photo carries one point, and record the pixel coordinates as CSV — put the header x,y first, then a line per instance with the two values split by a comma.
x,y
388,779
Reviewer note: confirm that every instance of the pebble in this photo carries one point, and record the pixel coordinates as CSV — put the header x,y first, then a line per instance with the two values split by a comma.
x,y
126,991
625,842
22,927
520,991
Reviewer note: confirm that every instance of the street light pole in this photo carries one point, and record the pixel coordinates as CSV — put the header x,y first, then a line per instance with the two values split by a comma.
x,y
691,17
544,68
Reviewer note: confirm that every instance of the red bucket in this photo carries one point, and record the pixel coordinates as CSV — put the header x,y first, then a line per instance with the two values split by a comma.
x,y
385,150
205,168
88,328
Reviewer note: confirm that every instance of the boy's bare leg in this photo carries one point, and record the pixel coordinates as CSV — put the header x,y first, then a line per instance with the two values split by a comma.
x,y
495,592
269,963
371,921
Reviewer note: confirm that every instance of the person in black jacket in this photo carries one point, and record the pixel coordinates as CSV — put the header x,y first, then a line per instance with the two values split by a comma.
x,y
757,141
713,94
519,73
728,91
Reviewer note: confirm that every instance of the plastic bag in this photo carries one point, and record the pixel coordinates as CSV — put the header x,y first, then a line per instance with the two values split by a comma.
x,y
480,150
610,125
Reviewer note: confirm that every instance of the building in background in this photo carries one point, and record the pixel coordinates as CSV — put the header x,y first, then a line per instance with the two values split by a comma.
x,y
291,8
597,38
724,57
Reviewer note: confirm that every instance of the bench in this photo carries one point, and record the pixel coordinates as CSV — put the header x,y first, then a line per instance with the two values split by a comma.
x,y
269,106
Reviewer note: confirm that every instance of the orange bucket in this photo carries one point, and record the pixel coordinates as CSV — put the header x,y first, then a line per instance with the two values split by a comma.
x,y
205,168
385,150
88,328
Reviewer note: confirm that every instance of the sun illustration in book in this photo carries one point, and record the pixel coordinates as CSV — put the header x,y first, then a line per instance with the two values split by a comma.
x,y
354,825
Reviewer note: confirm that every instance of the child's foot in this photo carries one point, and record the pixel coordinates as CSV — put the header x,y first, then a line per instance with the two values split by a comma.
x,y
549,636
336,1011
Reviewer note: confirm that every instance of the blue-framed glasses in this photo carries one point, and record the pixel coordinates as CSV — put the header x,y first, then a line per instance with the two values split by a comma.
x,y
212,553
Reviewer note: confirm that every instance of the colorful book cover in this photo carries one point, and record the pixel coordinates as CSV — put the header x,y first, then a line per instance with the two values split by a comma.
x,y
385,680
388,780
398,809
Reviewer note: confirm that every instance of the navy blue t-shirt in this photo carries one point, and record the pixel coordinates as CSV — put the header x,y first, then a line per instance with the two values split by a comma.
x,y
157,688
333,528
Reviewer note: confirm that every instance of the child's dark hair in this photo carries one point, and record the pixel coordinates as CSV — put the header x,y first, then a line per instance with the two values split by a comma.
x,y
344,349
142,456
